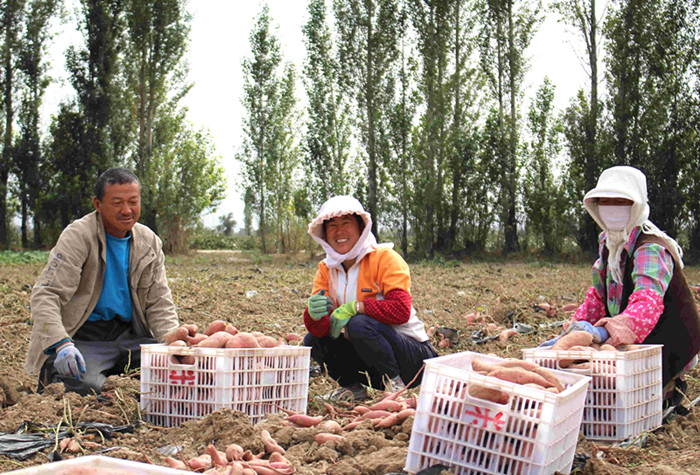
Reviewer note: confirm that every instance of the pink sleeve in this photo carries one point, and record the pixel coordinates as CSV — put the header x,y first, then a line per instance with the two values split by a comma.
x,y
634,324
592,309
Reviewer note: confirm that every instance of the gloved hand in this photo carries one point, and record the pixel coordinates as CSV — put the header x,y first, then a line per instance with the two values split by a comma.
x,y
340,317
319,305
600,334
69,361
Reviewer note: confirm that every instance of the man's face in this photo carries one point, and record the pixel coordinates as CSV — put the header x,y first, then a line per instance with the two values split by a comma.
x,y
120,208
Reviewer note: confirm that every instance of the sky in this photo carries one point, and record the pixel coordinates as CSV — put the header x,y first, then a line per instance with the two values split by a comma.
x,y
219,42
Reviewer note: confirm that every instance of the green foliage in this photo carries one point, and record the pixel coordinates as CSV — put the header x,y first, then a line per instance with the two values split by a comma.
x,y
23,257
190,181
209,240
543,199
327,140
367,32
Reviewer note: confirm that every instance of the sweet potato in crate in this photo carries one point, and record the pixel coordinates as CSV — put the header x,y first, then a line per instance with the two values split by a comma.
x,y
250,380
529,431
625,394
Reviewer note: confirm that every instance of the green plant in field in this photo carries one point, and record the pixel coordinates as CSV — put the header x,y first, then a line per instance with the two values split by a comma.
x,y
23,257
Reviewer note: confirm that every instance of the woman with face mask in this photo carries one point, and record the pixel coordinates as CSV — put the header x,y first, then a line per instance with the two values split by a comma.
x,y
639,292
360,317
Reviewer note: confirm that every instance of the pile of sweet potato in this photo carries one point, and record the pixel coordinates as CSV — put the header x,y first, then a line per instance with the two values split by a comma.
x,y
220,334
236,461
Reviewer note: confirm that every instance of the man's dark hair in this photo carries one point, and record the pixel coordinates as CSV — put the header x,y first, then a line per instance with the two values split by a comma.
x,y
114,176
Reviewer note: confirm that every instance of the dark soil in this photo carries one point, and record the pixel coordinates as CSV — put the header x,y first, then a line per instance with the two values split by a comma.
x,y
269,294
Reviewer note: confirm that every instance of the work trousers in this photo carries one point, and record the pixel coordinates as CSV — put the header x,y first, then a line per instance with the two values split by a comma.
x,y
370,352
108,348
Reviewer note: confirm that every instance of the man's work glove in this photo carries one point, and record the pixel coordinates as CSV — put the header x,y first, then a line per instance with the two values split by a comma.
x,y
319,305
69,361
340,317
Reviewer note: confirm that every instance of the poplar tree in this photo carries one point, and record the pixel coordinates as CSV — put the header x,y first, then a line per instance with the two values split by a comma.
x,y
157,32
28,153
11,19
541,198
650,53
507,30
587,161
367,36
433,26
269,151
327,138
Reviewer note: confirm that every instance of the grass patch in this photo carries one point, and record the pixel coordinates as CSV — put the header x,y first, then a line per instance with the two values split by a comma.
x,y
23,257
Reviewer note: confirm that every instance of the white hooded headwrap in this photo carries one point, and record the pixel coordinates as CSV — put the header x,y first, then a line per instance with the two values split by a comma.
x,y
340,206
626,182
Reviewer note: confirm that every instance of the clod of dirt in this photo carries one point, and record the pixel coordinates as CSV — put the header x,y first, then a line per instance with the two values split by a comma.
x,y
220,429
10,396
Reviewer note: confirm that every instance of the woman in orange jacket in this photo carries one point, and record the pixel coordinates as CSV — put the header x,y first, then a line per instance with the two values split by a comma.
x,y
361,321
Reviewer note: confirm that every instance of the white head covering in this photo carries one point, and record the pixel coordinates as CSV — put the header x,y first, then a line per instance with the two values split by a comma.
x,y
340,206
626,182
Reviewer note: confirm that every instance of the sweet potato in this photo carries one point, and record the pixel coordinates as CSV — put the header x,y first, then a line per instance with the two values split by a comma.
x,y
606,347
330,426
293,337
271,446
234,452
304,420
585,365
242,340
488,394
576,338
570,307
187,359
218,458
519,376
203,462
535,368
478,365
267,342
323,437
196,339
174,463
392,406
191,328
215,326
180,334
506,334
217,340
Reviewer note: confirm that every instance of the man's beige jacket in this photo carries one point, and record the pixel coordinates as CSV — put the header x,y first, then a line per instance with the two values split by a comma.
x,y
70,285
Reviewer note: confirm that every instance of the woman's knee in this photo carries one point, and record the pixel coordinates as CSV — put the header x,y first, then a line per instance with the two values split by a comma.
x,y
362,325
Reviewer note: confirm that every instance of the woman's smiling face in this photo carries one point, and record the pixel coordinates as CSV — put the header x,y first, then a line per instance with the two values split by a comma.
x,y
342,233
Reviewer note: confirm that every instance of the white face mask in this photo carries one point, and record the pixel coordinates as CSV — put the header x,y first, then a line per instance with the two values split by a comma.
x,y
615,217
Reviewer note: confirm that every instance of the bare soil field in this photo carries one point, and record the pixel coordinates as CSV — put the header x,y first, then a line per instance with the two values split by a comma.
x,y
269,294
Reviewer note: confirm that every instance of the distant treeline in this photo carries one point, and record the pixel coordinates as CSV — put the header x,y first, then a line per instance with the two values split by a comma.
x,y
416,107
128,76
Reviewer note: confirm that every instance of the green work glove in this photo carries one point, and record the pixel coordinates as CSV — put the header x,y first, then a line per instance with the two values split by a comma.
x,y
340,317
319,305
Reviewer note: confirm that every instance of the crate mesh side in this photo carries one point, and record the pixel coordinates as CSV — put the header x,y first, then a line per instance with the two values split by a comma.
x,y
475,436
624,396
251,381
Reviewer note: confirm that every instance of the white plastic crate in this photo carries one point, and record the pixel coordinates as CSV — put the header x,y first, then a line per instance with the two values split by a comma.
x,y
98,464
535,432
250,380
625,394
